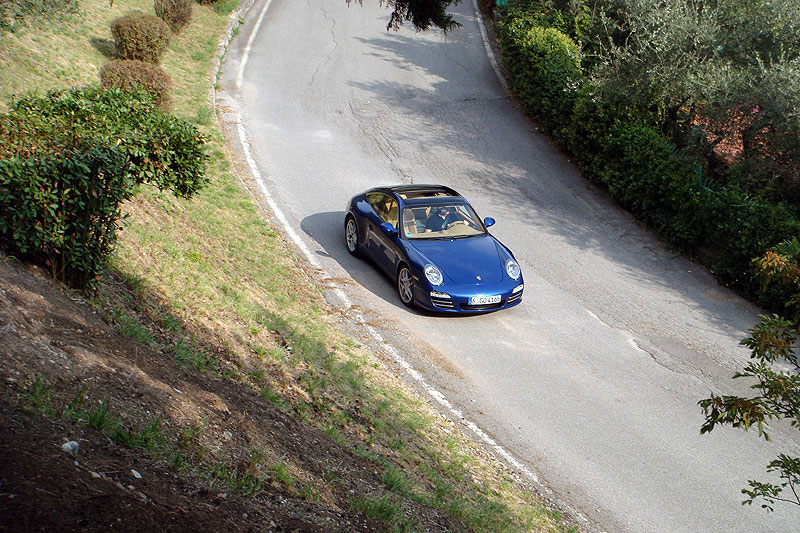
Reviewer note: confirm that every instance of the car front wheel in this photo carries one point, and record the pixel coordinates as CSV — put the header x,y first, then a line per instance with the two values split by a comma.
x,y
405,285
351,235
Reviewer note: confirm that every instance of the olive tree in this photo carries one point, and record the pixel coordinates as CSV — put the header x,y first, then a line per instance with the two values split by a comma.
x,y
708,72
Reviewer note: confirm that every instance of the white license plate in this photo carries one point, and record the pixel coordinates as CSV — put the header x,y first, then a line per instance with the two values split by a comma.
x,y
483,300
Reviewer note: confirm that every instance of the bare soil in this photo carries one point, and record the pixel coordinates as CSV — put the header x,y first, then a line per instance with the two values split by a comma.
x,y
56,336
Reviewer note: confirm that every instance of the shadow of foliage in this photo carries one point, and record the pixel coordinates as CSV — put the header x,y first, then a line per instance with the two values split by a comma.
x,y
105,47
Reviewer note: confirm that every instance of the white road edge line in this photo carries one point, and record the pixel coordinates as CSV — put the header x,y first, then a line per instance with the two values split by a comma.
x,y
249,45
488,46
440,398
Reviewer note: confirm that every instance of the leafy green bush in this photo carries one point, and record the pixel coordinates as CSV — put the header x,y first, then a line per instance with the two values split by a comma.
x,y
545,69
745,228
67,161
644,173
131,75
176,13
620,142
140,36
589,130
573,20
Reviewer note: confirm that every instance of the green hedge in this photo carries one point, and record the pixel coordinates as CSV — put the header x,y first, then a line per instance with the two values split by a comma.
x,y
70,158
544,64
745,228
645,174
61,210
629,155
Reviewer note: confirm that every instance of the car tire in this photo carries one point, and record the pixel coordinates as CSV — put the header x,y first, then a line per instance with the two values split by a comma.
x,y
405,285
351,236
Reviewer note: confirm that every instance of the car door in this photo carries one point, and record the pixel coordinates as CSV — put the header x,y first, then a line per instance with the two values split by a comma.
x,y
382,246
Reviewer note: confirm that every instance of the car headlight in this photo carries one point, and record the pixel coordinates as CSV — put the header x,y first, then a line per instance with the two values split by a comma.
x,y
512,268
433,274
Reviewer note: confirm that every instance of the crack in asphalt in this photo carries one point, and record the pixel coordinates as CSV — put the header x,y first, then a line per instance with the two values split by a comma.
x,y
330,54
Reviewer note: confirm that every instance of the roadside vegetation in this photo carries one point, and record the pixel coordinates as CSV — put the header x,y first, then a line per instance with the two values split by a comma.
x,y
686,111
197,344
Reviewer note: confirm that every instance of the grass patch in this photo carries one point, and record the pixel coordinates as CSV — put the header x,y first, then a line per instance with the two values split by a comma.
x,y
280,472
187,356
100,418
130,327
383,508
35,398
394,479
149,437
274,397
247,483
74,410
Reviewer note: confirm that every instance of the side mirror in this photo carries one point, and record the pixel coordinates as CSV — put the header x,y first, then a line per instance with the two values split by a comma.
x,y
488,221
388,229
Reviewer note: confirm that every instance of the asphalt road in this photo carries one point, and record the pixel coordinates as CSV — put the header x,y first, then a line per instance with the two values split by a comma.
x,y
593,382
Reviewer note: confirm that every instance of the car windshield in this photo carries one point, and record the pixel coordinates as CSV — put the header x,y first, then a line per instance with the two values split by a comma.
x,y
441,221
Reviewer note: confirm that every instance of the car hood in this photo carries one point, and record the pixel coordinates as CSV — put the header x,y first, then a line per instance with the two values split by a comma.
x,y
470,261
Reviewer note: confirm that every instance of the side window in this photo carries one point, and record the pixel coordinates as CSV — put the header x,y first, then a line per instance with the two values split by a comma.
x,y
385,206
392,215
378,202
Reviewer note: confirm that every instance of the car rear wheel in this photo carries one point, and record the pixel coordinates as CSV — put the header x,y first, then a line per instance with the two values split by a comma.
x,y
405,285
351,235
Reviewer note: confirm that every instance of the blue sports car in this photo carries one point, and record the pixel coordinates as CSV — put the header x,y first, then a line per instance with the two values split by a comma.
x,y
430,241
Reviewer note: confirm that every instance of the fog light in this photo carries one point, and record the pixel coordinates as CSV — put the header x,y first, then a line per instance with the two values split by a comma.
x,y
517,289
435,294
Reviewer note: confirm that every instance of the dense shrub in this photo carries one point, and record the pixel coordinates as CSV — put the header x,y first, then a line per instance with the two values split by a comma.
x,y
644,173
140,36
574,21
545,68
176,13
67,161
745,228
623,147
589,130
514,29
131,75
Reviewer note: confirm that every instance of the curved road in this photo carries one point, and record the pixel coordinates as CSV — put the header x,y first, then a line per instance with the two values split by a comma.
x,y
593,382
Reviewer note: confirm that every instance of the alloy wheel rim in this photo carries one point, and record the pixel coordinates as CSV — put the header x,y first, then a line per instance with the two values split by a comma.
x,y
351,235
404,284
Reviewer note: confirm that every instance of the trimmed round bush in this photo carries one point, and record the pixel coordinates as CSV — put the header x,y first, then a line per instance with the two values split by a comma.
x,y
131,74
176,13
140,36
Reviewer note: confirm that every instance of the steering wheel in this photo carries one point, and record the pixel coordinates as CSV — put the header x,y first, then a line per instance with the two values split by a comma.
x,y
453,223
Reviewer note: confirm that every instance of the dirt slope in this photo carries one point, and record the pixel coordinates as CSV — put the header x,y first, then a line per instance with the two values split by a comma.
x,y
54,348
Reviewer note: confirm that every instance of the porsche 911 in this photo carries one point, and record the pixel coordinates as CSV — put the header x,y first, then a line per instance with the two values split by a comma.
x,y
431,243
